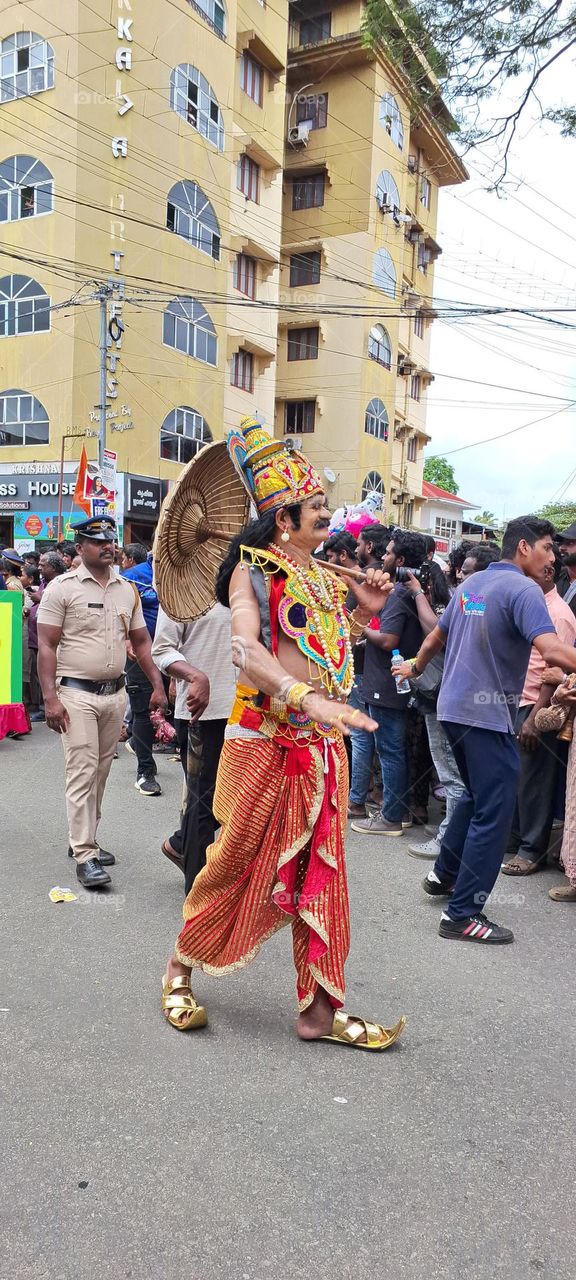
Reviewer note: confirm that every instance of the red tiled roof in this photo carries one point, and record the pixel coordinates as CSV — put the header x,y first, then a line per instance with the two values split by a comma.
x,y
434,491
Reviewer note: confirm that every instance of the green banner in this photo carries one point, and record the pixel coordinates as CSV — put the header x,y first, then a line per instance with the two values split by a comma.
x,y
10,647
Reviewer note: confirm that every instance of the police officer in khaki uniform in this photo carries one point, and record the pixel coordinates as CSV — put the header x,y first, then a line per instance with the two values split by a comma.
x,y
84,620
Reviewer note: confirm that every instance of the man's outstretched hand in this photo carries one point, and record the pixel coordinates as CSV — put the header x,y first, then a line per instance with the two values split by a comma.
x,y
373,593
326,711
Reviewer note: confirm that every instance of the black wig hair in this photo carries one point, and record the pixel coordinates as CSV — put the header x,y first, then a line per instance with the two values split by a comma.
x,y
259,533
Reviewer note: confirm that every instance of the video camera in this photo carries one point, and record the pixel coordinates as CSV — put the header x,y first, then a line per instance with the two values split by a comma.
x,y
423,574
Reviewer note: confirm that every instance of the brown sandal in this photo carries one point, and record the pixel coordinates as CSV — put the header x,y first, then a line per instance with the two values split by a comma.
x,y
563,893
174,857
530,870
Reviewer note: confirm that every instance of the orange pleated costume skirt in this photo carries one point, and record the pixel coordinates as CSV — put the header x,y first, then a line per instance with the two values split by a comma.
x,y
278,859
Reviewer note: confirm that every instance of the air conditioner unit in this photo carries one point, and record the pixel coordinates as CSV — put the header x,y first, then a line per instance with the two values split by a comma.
x,y
405,367
412,164
383,202
299,135
293,442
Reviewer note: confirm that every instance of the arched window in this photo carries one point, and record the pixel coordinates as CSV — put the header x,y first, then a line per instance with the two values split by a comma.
x,y
373,483
26,188
384,272
379,347
391,119
23,420
24,307
183,433
214,12
376,419
26,66
191,216
387,193
187,327
192,98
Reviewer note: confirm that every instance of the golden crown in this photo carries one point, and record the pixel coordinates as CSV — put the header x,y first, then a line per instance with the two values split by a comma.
x,y
274,475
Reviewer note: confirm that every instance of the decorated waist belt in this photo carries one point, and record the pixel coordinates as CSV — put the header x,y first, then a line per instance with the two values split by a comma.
x,y
273,719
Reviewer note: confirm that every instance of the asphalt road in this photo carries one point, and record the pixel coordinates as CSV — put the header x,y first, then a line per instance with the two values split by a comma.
x,y
131,1150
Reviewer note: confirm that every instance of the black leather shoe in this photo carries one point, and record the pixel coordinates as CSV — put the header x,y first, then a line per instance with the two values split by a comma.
x,y
105,858
92,874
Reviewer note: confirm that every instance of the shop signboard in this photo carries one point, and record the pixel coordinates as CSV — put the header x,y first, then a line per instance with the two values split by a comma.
x,y
30,493
143,498
41,524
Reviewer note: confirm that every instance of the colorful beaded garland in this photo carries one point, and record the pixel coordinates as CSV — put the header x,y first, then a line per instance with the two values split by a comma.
x,y
311,613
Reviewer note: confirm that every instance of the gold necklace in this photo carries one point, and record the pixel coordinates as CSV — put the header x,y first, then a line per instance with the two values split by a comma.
x,y
315,580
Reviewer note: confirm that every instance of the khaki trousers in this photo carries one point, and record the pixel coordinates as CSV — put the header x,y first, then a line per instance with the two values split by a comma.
x,y
89,746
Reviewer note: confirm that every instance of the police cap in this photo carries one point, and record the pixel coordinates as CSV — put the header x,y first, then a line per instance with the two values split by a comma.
x,y
11,555
97,529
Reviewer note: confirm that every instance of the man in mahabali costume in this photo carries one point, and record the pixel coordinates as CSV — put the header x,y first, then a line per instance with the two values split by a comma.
x,y
281,791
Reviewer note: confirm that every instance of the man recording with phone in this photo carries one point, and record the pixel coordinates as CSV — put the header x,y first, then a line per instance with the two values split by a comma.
x,y
404,558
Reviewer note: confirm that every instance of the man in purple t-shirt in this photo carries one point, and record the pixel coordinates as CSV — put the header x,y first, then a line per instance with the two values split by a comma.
x,y
488,629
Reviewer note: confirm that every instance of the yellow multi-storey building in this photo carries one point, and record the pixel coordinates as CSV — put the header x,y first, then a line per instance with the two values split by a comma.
x,y
141,182
189,235
360,209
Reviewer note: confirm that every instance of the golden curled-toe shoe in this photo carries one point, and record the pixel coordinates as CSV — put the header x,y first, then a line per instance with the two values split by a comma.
x,y
347,1029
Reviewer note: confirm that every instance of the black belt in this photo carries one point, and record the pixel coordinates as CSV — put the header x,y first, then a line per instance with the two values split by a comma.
x,y
94,686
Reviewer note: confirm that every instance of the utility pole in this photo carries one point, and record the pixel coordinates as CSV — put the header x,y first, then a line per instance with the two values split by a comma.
x,y
103,294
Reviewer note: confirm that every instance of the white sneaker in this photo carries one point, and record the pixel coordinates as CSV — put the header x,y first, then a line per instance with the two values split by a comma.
x,y
429,850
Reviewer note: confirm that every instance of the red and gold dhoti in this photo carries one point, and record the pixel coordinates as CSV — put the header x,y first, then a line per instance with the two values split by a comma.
x,y
281,798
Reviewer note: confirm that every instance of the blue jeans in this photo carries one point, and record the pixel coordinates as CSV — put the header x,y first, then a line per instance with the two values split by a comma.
x,y
475,841
390,742
446,768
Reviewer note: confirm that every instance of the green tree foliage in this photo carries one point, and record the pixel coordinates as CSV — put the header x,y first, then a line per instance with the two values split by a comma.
x,y
485,517
560,514
474,50
439,471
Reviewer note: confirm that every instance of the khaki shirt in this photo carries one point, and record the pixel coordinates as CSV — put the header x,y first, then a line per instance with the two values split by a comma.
x,y
95,622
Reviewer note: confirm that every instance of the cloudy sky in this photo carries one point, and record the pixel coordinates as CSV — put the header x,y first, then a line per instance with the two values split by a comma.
x,y
517,251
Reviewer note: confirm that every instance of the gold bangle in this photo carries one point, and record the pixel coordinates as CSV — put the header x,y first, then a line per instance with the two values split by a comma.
x,y
296,694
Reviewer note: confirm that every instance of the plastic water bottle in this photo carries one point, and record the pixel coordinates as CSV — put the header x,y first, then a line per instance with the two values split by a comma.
x,y
402,685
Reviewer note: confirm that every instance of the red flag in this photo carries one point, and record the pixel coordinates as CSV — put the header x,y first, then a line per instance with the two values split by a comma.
x,y
79,492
